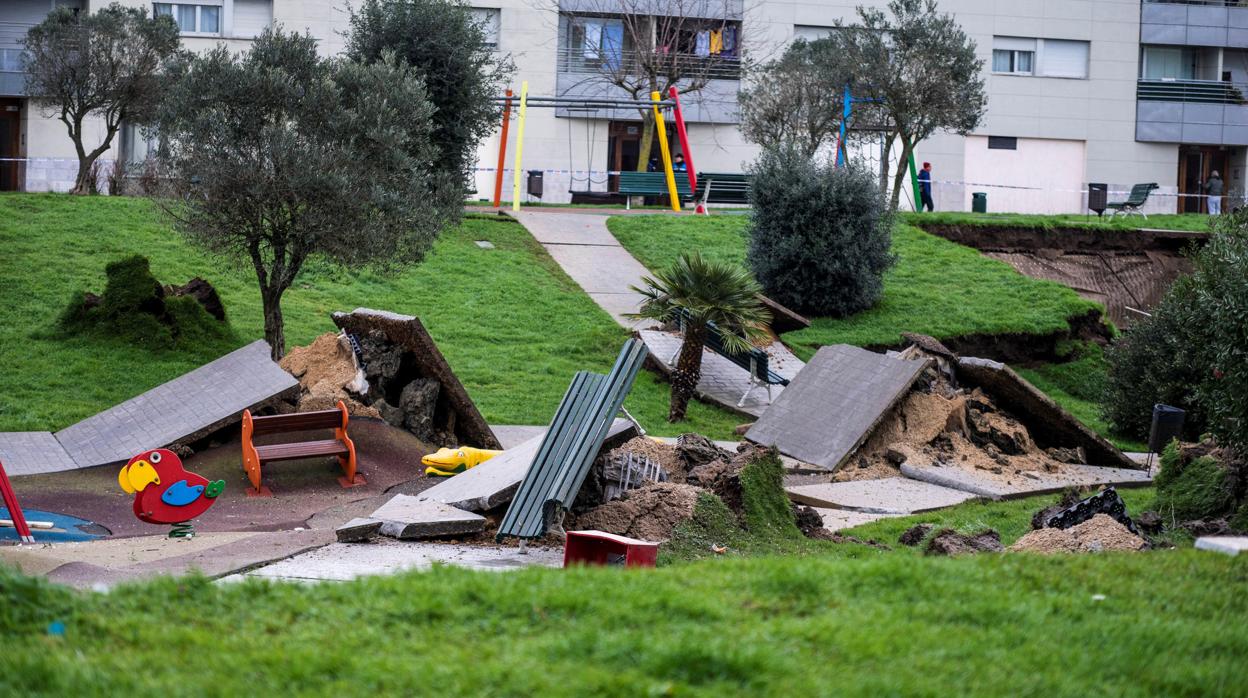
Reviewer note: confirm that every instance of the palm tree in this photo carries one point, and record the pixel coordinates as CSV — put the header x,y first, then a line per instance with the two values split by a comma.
x,y
699,292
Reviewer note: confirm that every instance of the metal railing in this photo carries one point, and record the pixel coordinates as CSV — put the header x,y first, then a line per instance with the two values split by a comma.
x,y
716,67
12,37
1211,3
1190,91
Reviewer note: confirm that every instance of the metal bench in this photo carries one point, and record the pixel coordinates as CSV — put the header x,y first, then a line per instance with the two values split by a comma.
x,y
339,447
576,433
1135,201
755,361
723,188
651,184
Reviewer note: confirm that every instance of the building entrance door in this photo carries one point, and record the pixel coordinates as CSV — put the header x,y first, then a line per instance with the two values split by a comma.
x,y
10,144
623,148
1196,162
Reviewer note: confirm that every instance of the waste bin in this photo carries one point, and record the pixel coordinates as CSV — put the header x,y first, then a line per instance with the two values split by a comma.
x,y
1098,198
1167,425
535,183
979,202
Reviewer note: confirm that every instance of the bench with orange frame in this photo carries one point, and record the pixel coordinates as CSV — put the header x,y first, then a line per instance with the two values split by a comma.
x,y
339,447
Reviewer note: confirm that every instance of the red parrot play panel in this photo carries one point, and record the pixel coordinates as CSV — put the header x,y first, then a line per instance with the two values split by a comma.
x,y
164,491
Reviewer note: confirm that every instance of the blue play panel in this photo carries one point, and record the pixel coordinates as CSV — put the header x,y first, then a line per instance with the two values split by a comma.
x,y
65,529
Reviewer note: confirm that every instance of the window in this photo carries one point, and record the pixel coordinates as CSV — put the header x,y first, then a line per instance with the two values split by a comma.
x,y
1013,55
1166,63
810,32
1053,58
489,20
1002,143
191,19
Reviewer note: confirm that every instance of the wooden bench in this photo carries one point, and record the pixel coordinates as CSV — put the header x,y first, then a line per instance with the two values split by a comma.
x,y
651,184
339,447
723,188
1135,201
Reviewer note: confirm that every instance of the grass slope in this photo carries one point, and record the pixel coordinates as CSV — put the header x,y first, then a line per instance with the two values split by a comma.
x,y
1185,221
937,287
511,324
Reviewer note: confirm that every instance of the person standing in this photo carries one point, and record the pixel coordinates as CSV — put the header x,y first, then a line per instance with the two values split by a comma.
x,y
1214,189
925,188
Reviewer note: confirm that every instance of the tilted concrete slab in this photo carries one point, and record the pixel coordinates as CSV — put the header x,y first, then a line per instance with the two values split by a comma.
x,y
894,495
512,435
494,482
344,561
406,517
1032,483
358,530
187,407
833,404
32,453
1228,545
840,519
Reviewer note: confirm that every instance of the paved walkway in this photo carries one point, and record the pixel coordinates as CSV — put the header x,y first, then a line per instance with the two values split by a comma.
x,y
187,407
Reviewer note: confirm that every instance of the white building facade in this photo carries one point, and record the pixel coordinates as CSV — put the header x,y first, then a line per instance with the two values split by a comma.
x,y
1079,91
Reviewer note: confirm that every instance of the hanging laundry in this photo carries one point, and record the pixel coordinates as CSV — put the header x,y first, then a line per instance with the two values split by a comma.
x,y
613,44
717,42
702,44
730,41
593,40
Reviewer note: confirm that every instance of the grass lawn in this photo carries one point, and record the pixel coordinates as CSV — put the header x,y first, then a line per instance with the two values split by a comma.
x,y
1183,221
512,325
937,287
850,621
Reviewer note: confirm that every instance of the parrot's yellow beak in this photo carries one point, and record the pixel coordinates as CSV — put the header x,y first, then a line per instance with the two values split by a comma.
x,y
137,475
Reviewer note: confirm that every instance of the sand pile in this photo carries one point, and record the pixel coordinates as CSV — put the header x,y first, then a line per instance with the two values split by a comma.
x,y
1101,532
663,454
648,513
327,372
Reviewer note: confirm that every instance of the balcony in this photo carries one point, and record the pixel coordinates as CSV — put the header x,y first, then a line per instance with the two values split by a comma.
x,y
1221,23
589,77
12,77
1202,112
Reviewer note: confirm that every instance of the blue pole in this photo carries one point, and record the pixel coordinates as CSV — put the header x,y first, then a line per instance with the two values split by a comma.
x,y
847,107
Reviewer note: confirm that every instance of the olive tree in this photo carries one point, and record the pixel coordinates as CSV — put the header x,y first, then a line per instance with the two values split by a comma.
x,y
106,64
920,67
277,156
462,72
795,100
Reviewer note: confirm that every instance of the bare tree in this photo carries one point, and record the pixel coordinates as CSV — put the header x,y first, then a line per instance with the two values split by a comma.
x,y
796,100
920,67
106,64
644,46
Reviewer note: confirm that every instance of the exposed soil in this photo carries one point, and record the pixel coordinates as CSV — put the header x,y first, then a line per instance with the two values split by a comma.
x,y
663,454
648,513
950,542
1099,533
1018,348
324,369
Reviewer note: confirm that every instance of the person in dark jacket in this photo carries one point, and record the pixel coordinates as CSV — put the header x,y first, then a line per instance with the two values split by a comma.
x,y
1213,188
925,188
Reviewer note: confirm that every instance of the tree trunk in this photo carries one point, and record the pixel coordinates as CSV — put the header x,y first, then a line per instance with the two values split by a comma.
x,y
646,144
688,371
84,183
274,326
900,177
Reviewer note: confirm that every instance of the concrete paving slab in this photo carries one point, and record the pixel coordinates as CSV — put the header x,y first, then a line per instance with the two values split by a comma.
x,y
33,452
723,382
840,519
494,482
342,562
512,435
894,495
833,404
1031,483
407,517
358,530
566,228
197,402
1228,545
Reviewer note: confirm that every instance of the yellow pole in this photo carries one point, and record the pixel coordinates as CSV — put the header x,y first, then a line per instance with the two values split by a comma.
x,y
661,129
515,174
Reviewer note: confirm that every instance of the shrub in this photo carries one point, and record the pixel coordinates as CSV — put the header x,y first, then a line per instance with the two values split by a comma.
x,y
819,236
1198,489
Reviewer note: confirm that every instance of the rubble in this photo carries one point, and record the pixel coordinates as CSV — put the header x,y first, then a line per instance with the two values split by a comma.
x,y
1099,533
327,372
648,513
949,542
915,534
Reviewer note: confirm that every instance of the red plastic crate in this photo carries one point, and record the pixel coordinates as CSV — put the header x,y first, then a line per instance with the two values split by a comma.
x,y
601,548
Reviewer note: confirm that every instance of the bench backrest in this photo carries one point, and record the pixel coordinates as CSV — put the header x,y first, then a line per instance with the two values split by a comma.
x,y
300,421
654,183
715,342
1139,193
724,187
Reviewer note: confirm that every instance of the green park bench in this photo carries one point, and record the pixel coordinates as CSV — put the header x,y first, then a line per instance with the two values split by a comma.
x,y
755,361
652,184
1135,201
723,188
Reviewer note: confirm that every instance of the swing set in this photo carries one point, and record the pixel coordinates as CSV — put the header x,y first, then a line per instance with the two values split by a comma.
x,y
585,104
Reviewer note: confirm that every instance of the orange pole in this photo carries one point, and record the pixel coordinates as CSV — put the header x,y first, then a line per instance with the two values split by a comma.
x,y
502,153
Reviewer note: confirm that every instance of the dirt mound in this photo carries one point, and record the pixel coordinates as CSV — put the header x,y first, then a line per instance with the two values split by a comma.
x,y
648,513
663,454
950,542
326,370
1101,532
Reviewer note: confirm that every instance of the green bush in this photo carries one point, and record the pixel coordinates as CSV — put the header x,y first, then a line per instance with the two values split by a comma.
x,y
819,235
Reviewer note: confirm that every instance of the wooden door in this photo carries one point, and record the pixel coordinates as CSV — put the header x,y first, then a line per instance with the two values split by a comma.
x,y
623,149
10,145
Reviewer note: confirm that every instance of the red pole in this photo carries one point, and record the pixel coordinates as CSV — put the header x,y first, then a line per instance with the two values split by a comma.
x,y
502,153
684,140
15,509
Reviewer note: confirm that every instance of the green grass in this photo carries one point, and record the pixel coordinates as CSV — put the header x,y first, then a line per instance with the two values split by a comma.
x,y
1184,221
937,288
843,620
510,322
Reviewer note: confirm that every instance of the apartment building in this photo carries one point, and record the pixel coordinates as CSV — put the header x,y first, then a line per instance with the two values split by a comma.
x,y
1113,91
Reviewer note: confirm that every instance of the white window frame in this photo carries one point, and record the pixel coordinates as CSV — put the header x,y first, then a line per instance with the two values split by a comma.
x,y
1014,62
199,7
1015,45
490,19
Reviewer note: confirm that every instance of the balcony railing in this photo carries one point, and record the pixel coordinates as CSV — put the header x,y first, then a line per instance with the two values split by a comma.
x,y
1190,91
716,67
12,36
1210,3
